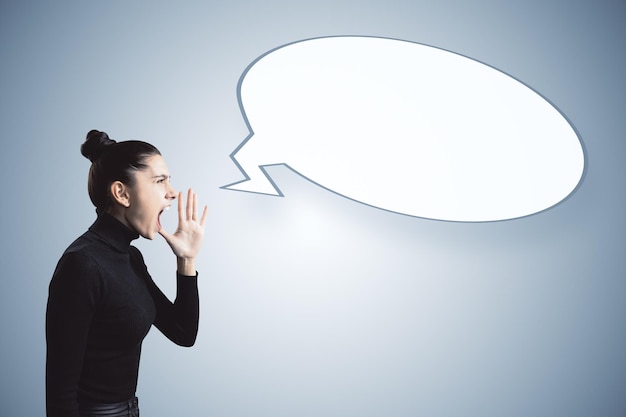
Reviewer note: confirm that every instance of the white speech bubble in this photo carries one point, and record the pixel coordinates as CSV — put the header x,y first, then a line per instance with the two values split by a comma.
x,y
407,128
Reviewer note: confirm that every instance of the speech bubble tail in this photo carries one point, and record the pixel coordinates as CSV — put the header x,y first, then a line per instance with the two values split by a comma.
x,y
260,185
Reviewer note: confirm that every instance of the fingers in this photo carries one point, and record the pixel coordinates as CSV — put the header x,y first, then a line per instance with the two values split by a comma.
x,y
204,214
190,210
181,212
194,215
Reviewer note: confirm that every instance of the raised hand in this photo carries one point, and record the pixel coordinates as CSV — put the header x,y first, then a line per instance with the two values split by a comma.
x,y
187,239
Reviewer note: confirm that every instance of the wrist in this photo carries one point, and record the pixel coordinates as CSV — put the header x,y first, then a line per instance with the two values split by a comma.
x,y
186,266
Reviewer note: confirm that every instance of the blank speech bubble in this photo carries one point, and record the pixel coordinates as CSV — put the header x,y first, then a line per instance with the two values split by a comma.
x,y
407,128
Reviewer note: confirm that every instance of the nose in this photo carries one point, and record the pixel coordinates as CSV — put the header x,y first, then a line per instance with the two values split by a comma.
x,y
171,192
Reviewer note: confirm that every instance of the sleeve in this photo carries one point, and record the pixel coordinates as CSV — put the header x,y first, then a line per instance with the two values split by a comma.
x,y
178,321
73,293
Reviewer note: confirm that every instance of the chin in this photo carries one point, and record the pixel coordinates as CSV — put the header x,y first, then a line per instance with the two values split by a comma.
x,y
148,235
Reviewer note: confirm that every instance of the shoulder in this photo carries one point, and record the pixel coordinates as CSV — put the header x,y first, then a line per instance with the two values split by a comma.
x,y
78,260
82,253
79,265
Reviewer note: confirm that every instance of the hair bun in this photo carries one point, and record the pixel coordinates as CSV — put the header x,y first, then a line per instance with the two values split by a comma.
x,y
95,144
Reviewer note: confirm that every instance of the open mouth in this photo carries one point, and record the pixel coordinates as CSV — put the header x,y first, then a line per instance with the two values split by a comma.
x,y
159,217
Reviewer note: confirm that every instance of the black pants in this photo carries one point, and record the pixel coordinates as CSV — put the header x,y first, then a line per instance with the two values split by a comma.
x,y
128,408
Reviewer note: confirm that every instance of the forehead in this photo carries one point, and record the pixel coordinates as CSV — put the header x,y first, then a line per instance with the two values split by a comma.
x,y
155,165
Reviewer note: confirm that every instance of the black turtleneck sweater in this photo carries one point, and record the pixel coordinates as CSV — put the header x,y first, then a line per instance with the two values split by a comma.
x,y
101,304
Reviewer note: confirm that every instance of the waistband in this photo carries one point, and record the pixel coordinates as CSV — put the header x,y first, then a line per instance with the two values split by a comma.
x,y
129,408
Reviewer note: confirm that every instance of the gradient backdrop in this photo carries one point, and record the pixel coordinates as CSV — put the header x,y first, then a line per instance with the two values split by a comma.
x,y
312,304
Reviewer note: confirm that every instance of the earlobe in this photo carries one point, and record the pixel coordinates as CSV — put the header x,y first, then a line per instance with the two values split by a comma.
x,y
120,194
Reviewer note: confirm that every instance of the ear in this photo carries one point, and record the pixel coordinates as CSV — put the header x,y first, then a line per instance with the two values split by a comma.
x,y
120,194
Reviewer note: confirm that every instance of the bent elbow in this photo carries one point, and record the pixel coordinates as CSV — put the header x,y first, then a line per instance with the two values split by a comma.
x,y
187,340
188,343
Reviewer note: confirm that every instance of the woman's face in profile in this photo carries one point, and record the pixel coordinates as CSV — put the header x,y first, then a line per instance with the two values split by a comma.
x,y
149,196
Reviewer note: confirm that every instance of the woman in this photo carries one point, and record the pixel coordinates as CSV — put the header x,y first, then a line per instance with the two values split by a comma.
x,y
102,301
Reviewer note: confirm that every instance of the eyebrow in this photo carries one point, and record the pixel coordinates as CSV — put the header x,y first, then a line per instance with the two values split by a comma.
x,y
162,176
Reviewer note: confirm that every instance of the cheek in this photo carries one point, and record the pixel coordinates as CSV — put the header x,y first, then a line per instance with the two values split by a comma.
x,y
154,203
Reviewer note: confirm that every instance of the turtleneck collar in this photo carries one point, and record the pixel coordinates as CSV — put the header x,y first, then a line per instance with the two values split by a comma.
x,y
113,232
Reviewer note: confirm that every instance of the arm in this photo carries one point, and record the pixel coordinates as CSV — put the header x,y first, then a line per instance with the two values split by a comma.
x,y
73,293
179,320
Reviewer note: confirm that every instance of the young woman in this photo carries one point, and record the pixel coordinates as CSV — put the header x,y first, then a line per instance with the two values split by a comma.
x,y
102,301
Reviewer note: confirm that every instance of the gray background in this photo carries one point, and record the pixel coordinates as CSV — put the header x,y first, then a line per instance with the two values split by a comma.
x,y
312,304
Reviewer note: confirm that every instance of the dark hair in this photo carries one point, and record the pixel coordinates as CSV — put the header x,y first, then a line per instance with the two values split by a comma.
x,y
112,161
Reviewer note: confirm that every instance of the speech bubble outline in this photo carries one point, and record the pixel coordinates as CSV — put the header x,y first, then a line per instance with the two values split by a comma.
x,y
262,182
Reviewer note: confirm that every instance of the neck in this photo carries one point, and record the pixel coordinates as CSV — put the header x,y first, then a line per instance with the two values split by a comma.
x,y
119,216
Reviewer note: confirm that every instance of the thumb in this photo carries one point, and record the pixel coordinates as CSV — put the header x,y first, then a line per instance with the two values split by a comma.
x,y
167,236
